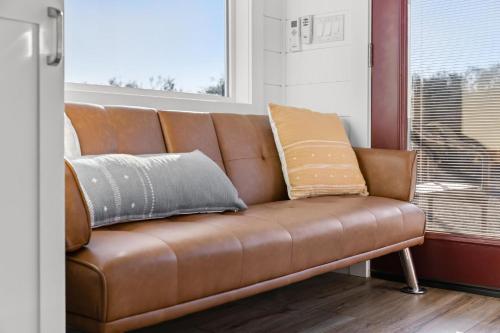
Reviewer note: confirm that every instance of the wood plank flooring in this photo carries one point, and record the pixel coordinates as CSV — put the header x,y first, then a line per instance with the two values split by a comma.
x,y
341,303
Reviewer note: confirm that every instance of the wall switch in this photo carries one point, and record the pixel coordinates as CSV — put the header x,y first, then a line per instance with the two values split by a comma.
x,y
329,28
306,29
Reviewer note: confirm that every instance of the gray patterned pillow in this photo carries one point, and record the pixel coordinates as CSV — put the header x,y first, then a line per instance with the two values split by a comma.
x,y
120,188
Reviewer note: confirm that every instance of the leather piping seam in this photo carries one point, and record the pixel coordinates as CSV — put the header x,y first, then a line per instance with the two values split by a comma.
x,y
400,212
291,269
104,296
339,221
163,132
218,144
249,158
376,225
241,247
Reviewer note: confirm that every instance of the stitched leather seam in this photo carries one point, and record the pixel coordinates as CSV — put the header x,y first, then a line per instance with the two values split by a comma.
x,y
377,243
241,247
284,228
218,143
402,218
248,158
163,131
339,221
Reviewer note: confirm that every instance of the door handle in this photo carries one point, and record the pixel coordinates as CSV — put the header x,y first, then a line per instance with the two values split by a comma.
x,y
54,60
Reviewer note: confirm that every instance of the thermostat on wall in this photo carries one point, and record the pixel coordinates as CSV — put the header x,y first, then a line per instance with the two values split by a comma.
x,y
294,35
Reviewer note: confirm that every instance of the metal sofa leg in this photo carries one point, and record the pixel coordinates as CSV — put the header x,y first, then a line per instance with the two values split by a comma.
x,y
411,276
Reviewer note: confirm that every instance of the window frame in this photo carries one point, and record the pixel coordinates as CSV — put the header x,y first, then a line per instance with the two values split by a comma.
x,y
229,76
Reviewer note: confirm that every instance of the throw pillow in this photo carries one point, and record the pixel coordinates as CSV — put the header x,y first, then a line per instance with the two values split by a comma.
x,y
120,188
316,155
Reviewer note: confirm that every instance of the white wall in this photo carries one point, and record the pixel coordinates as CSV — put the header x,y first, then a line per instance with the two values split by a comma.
x,y
333,77
274,51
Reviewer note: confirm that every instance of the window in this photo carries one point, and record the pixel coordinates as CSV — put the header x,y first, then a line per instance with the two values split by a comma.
x,y
167,45
455,113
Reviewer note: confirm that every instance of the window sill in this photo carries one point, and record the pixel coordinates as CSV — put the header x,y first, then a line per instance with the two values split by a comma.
x,y
160,100
101,89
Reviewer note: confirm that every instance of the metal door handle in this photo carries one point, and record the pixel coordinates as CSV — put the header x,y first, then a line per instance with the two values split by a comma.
x,y
54,60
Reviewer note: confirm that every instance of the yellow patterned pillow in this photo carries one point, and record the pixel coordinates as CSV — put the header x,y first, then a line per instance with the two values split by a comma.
x,y
315,152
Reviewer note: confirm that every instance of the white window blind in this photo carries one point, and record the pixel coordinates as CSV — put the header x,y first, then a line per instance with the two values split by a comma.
x,y
455,113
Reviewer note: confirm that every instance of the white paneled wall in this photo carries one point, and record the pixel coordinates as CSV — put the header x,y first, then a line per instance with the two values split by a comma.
x,y
274,51
332,77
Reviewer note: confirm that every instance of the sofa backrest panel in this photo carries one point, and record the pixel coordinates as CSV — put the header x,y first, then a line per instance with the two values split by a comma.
x,y
187,131
93,126
137,130
242,145
116,130
250,157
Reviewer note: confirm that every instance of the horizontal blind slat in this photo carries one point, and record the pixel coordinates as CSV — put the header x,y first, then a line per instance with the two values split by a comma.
x,y
454,119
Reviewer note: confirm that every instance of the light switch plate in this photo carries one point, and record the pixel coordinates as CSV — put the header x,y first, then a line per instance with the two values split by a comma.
x,y
329,28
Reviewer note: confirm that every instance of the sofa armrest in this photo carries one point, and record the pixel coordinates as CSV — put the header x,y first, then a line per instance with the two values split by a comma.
x,y
77,224
389,173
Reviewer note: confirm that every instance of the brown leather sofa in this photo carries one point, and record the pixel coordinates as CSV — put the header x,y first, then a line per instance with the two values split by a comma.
x,y
133,275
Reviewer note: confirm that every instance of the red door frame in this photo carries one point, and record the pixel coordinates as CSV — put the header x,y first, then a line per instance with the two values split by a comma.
x,y
389,74
446,258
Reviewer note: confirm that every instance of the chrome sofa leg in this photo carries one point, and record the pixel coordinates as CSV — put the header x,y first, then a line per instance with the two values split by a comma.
x,y
411,276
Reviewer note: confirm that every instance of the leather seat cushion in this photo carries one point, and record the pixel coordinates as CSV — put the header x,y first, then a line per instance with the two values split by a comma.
x,y
133,268
328,228
151,265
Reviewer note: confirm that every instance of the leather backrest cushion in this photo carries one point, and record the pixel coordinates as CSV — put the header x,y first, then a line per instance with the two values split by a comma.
x,y
187,131
116,130
250,157
137,130
94,128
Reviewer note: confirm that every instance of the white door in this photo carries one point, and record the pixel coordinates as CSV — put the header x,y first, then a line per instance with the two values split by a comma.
x,y
31,168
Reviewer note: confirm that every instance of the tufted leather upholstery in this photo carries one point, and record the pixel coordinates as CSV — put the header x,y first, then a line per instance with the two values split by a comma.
x,y
250,156
188,131
116,130
137,274
177,260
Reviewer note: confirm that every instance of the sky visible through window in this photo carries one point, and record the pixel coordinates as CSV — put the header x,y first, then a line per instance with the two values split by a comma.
x,y
176,45
456,35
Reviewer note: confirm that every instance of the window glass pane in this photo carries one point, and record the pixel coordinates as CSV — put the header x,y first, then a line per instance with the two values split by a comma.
x,y
455,113
173,45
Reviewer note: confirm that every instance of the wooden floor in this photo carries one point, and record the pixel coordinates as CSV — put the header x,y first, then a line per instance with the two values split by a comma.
x,y
340,303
